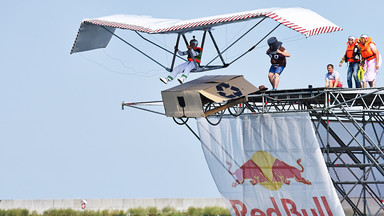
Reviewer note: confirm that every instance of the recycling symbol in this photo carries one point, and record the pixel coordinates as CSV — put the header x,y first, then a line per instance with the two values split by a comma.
x,y
225,90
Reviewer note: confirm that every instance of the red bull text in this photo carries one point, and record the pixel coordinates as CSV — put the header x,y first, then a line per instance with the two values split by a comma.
x,y
285,207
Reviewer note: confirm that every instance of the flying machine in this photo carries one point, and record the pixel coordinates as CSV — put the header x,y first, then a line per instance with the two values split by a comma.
x,y
183,99
96,33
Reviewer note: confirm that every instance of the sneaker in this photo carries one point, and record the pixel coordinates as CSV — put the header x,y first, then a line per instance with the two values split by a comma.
x,y
181,80
164,80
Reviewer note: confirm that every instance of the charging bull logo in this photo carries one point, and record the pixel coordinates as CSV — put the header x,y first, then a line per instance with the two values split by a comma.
x,y
269,172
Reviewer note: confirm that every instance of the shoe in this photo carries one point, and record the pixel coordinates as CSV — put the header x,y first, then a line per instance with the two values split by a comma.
x,y
181,80
164,80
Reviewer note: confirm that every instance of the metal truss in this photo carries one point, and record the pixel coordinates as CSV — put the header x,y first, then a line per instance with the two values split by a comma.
x,y
349,124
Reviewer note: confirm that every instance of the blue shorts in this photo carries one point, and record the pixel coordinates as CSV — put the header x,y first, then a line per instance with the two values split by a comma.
x,y
276,69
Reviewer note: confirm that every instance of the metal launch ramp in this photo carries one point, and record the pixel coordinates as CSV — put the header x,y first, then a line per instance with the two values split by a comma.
x,y
349,124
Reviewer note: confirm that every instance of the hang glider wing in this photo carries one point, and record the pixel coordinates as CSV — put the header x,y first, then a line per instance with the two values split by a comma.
x,y
96,33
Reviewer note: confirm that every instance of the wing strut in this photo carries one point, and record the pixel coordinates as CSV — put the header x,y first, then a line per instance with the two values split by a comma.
x,y
217,48
253,47
198,67
158,45
206,67
203,41
174,54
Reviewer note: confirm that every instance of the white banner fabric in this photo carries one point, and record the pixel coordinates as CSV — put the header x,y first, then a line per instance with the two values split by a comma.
x,y
269,164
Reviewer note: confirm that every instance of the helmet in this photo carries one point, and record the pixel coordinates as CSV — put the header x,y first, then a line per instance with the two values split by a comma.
x,y
363,39
351,38
193,42
274,44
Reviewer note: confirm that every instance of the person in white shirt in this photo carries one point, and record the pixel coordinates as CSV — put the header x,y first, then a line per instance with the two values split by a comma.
x,y
332,78
185,68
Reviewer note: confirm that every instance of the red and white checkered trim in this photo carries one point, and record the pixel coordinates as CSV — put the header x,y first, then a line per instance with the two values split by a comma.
x,y
208,22
120,25
306,32
190,25
217,21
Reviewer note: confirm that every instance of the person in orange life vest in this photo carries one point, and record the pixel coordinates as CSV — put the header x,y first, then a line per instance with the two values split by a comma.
x,y
332,78
372,60
186,67
278,55
352,57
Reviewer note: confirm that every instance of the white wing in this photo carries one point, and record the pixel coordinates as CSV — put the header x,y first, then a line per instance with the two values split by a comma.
x,y
92,33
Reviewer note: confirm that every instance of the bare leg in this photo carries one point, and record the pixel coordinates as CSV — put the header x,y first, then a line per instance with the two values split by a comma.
x,y
373,83
271,79
364,84
277,76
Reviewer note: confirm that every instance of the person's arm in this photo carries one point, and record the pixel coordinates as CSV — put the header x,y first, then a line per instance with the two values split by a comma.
x,y
193,52
326,81
283,51
342,61
180,52
374,50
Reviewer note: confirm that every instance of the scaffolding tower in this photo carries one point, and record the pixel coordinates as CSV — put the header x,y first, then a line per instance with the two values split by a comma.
x,y
349,125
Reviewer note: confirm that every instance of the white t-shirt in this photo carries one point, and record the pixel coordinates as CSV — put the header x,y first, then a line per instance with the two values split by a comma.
x,y
335,75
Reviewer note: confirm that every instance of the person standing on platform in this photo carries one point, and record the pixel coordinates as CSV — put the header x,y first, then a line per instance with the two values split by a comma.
x,y
372,60
332,78
352,57
278,55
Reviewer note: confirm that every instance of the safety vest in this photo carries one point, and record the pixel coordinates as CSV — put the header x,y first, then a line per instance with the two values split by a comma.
x,y
198,57
366,51
352,54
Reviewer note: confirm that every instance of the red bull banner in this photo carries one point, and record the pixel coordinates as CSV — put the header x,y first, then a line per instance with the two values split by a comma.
x,y
269,165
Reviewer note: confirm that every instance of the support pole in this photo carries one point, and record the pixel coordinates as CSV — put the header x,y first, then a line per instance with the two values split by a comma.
x,y
174,53
221,53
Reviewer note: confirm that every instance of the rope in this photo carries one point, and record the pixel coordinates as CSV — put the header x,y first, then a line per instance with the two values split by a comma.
x,y
136,73
253,47
126,42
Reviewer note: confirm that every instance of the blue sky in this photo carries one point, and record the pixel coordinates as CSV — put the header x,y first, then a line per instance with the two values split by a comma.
x,y
62,131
